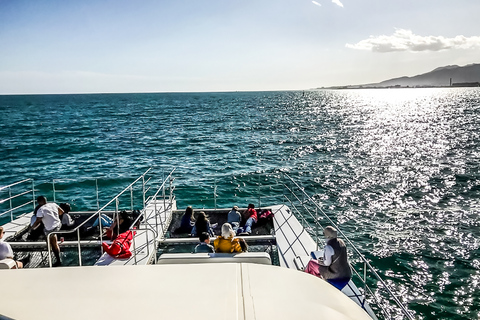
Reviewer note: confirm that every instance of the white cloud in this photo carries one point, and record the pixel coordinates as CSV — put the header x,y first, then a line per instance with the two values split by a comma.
x,y
318,4
338,3
405,40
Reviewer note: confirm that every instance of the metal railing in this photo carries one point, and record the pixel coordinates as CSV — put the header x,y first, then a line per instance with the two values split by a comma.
x,y
147,227
307,203
310,220
22,195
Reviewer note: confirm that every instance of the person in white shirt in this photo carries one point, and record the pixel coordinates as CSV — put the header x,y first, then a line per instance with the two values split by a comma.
x,y
6,251
49,213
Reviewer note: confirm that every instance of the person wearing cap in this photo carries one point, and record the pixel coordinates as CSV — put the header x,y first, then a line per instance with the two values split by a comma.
x,y
234,218
334,267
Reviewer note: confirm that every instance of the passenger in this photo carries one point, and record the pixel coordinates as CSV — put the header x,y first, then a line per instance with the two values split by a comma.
x,y
106,221
204,245
6,252
49,213
187,223
243,244
334,267
250,217
234,218
120,247
226,243
34,234
65,218
120,225
202,225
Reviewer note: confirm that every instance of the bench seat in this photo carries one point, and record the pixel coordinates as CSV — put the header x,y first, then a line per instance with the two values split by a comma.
x,y
190,258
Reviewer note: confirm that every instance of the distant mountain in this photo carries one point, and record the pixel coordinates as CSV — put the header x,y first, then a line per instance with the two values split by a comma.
x,y
468,75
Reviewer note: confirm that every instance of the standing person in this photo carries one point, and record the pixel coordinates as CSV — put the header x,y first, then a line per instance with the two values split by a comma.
x,y
6,251
334,267
234,218
204,245
49,214
250,217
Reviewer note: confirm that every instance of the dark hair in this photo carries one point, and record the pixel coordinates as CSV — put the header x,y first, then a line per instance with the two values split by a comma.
x,y
202,222
243,244
189,212
202,217
41,199
203,236
251,205
65,207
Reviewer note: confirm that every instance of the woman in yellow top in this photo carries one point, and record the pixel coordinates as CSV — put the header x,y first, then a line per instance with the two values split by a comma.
x,y
226,243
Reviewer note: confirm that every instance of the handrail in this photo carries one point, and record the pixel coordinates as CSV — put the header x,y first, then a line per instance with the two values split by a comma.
x,y
17,195
362,257
98,212
148,227
15,183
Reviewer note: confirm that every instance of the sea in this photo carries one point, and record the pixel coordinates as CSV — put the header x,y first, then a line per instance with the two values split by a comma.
x,y
397,169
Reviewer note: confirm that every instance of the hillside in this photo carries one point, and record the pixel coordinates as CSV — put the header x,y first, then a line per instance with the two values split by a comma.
x,y
468,75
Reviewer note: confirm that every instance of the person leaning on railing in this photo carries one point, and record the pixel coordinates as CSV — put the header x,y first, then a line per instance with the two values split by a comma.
x,y
49,213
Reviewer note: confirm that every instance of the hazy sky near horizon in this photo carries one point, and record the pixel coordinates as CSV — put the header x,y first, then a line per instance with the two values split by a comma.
x,y
55,46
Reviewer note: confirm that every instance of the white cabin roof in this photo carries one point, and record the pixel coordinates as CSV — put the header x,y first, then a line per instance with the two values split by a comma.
x,y
172,291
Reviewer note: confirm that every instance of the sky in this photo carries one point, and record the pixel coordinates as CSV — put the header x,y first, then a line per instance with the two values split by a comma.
x,y
90,46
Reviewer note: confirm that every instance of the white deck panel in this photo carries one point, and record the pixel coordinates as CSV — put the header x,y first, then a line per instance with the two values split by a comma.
x,y
144,244
292,239
196,291
17,225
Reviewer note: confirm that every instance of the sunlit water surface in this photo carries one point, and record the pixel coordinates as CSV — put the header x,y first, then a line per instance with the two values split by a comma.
x,y
398,169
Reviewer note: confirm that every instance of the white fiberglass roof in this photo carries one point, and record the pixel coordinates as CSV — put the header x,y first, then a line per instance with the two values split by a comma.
x,y
193,291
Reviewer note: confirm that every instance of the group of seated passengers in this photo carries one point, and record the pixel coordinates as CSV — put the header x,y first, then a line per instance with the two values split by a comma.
x,y
194,227
225,243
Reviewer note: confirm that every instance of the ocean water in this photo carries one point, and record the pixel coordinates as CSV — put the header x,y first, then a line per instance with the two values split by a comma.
x,y
398,169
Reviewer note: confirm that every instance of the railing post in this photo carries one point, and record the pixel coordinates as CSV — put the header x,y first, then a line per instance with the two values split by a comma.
x,y
79,248
131,197
101,229
316,225
33,193
156,211
49,253
215,192
170,185
135,248
259,191
116,212
96,191
54,193
364,280
10,201
143,191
